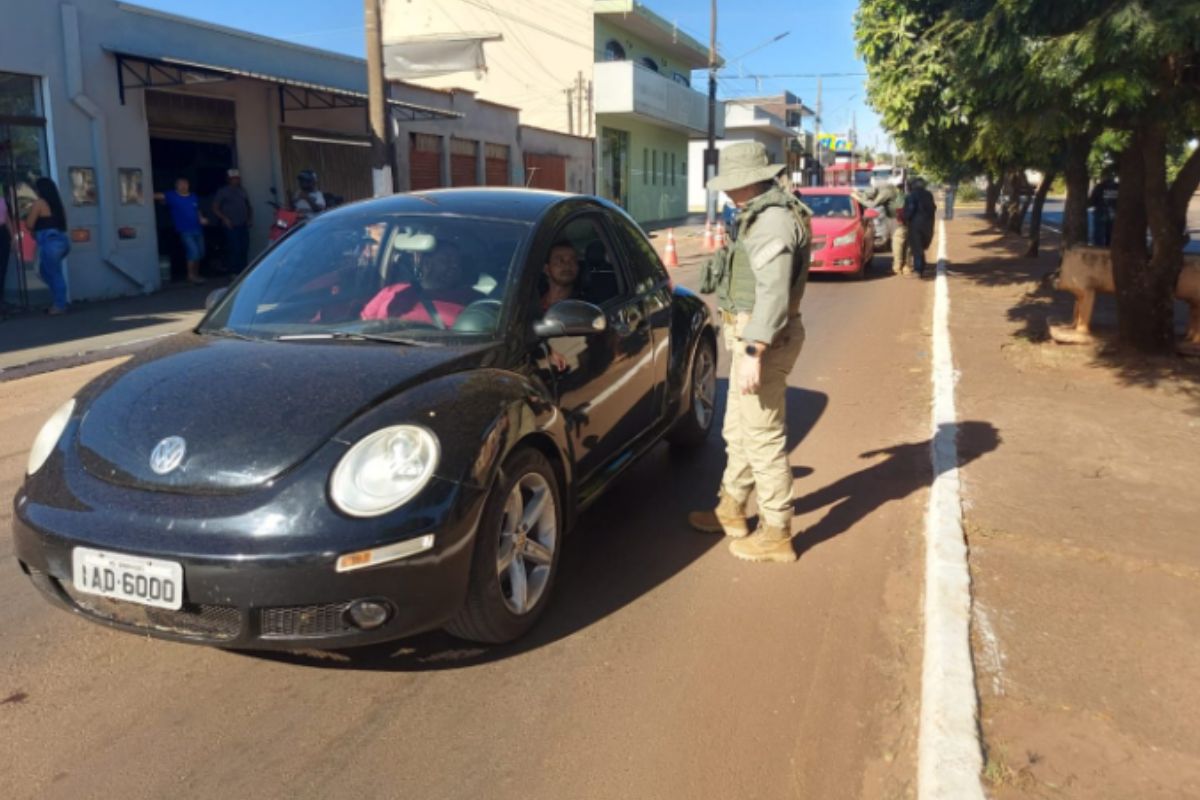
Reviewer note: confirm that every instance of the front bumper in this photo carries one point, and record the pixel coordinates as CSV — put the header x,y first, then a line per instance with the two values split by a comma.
x,y
241,592
845,259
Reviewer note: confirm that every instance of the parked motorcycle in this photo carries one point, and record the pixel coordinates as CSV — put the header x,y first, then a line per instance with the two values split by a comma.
x,y
285,219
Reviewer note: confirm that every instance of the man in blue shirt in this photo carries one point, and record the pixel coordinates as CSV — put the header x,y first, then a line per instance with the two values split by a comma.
x,y
188,222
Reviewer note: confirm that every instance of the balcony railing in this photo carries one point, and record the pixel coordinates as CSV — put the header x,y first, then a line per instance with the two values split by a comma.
x,y
626,87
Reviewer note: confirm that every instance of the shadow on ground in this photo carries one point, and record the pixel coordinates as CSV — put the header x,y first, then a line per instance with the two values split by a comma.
x,y
33,329
905,468
632,541
1000,260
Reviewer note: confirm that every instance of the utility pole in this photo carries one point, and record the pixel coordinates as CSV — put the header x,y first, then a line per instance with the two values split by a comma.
x,y
571,111
710,155
579,100
591,111
382,177
817,135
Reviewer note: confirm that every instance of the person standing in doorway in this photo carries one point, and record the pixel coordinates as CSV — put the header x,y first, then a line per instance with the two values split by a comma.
x,y
189,224
919,213
759,284
48,221
232,206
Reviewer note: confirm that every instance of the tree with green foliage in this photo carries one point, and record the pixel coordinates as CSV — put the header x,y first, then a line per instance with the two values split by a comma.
x,y
1017,83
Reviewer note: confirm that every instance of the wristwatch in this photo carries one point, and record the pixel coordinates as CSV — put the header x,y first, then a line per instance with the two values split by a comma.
x,y
753,349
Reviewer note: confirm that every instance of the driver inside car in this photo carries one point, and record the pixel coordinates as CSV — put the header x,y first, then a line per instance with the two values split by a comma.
x,y
437,296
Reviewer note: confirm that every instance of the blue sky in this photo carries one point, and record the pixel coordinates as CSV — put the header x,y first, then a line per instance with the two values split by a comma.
x,y
820,40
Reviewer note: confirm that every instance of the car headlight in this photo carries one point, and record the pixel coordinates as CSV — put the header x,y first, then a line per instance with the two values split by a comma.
x,y
48,436
845,239
384,471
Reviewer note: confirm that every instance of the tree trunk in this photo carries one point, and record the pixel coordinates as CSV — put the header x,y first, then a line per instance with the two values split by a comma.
x,y
992,197
1035,221
1075,218
1145,282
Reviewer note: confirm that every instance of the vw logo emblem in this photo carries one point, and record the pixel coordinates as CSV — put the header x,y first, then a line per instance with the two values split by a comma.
x,y
168,454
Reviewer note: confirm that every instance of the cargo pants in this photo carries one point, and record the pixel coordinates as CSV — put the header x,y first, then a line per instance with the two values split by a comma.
x,y
900,249
756,425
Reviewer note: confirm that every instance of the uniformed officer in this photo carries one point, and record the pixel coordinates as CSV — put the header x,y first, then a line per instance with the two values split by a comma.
x,y
759,282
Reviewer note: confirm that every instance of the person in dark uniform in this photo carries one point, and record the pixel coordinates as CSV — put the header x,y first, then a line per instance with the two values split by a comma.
x,y
1103,202
919,213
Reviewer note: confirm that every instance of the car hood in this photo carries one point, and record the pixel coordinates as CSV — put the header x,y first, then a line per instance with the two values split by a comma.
x,y
832,226
247,411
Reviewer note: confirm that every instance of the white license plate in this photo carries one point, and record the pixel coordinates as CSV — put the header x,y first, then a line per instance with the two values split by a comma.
x,y
137,579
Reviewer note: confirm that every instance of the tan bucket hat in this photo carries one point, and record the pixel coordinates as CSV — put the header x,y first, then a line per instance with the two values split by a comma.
x,y
744,164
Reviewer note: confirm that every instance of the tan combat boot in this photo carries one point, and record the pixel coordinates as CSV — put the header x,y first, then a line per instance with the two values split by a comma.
x,y
729,518
768,543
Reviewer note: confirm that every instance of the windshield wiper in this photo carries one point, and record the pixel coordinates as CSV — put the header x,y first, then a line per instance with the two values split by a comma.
x,y
228,333
348,336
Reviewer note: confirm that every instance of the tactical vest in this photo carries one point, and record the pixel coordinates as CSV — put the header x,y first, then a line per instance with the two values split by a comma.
x,y
735,288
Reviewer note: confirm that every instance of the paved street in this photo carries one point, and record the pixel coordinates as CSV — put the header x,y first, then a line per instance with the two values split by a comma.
x,y
1052,217
664,667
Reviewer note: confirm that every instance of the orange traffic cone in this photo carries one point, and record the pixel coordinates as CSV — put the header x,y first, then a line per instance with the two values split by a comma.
x,y
671,256
720,235
709,242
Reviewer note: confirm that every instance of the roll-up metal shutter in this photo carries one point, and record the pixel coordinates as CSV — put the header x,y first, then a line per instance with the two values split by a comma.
x,y
425,162
545,171
463,162
496,164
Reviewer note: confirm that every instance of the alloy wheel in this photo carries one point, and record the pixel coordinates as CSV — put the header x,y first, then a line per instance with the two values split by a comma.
x,y
704,386
528,536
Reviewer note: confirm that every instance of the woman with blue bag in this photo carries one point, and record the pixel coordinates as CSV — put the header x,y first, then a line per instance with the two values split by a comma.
x,y
48,221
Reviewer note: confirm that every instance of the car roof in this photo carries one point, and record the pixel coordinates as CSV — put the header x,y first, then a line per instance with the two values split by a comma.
x,y
498,202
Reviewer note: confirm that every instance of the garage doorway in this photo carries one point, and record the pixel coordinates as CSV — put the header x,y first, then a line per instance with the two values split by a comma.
x,y
342,163
546,171
191,137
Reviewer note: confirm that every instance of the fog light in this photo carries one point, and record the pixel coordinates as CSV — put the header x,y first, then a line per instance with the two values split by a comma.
x,y
368,614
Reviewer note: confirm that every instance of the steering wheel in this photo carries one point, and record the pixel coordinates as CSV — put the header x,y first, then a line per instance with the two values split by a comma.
x,y
481,316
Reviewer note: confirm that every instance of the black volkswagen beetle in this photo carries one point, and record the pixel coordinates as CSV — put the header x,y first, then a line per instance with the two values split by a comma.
x,y
382,428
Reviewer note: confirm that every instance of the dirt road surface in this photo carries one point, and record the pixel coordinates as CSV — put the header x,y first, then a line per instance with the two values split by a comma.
x,y
664,668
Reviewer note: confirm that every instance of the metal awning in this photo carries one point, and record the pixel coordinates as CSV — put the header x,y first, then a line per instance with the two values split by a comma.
x,y
139,71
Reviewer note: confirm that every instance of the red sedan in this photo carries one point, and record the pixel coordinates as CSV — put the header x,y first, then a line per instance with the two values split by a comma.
x,y
843,234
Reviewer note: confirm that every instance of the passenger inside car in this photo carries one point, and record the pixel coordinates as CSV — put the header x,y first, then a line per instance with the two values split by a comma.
x,y
560,275
436,297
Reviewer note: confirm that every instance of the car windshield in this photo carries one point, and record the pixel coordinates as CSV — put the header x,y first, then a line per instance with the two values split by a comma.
x,y
829,205
412,278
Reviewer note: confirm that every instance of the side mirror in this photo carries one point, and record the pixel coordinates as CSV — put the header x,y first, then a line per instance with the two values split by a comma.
x,y
571,318
214,297
871,213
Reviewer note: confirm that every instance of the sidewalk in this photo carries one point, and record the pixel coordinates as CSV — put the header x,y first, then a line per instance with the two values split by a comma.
x,y
34,342
1082,529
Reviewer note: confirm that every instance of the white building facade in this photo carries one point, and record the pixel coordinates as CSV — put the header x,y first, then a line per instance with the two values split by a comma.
x,y
609,70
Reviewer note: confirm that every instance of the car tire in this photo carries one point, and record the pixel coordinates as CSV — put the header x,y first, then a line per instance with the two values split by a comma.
x,y
693,427
515,562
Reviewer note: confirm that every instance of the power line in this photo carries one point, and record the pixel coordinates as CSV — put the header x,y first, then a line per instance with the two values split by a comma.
x,y
548,31
799,75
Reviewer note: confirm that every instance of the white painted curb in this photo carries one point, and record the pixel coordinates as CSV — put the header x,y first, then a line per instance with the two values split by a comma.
x,y
949,756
